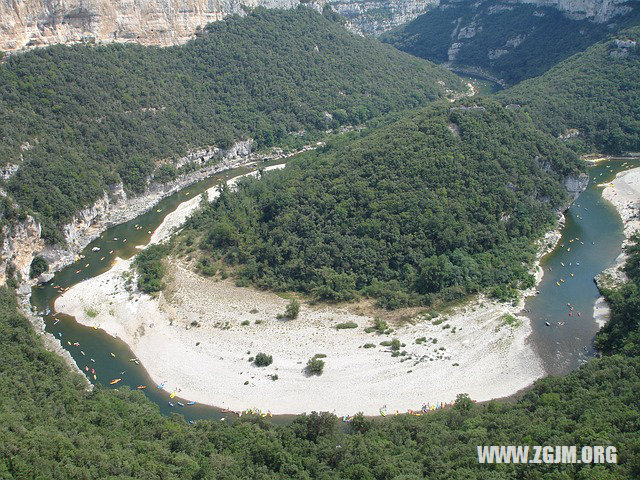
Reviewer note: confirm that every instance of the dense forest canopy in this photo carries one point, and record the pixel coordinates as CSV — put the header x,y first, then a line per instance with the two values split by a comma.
x,y
51,428
511,41
85,117
596,92
445,202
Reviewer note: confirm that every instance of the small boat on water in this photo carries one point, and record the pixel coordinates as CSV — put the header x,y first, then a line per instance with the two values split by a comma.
x,y
141,387
191,403
173,394
547,324
180,404
171,404
115,380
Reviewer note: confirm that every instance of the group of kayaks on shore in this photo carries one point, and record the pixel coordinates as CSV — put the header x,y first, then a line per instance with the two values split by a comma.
x,y
424,410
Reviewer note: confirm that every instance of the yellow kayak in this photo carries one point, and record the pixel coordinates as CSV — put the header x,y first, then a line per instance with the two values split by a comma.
x,y
172,395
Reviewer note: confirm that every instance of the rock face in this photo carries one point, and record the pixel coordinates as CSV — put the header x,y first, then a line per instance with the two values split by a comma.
x,y
374,17
30,23
599,11
34,23
576,184
21,240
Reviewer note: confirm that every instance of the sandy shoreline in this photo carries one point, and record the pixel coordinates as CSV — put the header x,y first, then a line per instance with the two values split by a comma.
x,y
471,350
624,194
476,351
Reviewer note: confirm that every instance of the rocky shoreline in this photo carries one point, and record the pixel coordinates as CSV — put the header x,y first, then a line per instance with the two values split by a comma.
x,y
624,194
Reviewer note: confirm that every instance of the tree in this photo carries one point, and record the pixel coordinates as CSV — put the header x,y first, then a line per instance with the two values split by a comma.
x,y
38,266
315,366
263,360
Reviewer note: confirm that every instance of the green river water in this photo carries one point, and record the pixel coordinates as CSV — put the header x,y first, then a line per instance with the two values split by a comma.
x,y
562,347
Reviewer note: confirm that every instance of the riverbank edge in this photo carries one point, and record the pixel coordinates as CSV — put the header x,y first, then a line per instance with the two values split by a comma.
x,y
121,212
614,276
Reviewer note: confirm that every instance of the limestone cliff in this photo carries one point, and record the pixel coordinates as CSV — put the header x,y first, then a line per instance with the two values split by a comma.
x,y
21,240
32,23
599,11
29,23
377,16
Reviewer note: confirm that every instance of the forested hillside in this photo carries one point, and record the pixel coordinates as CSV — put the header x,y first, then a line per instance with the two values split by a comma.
x,y
508,40
84,117
596,92
443,203
51,428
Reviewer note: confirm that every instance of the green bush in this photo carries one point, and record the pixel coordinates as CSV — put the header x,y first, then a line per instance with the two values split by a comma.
x,y
345,325
292,311
315,366
38,266
263,360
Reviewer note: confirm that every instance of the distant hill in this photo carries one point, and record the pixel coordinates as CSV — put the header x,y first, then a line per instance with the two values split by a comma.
x,y
440,204
77,119
508,40
592,99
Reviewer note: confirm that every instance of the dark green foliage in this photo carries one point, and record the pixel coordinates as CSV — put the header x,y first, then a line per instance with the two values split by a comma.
x,y
95,115
443,203
508,40
148,264
621,334
292,311
315,366
346,325
50,427
38,266
596,92
263,360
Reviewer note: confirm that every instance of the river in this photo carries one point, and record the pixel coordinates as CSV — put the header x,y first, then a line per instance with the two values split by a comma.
x,y
561,346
